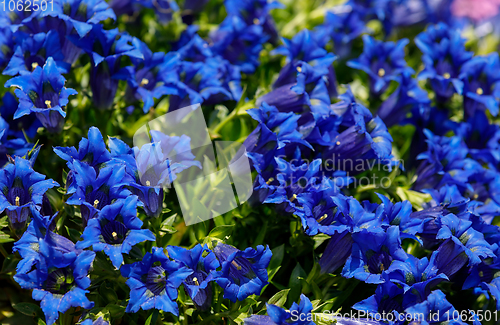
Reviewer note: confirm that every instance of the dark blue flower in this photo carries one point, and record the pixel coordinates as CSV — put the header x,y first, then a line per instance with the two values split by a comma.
x,y
115,230
443,55
94,192
11,145
142,77
405,99
18,128
243,272
481,79
435,309
382,61
203,263
163,8
106,49
342,28
154,281
298,314
43,93
59,279
239,43
34,51
20,188
449,258
373,252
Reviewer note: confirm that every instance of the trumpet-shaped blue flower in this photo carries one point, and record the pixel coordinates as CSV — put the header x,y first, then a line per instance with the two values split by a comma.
x,y
20,188
59,280
481,84
115,230
94,192
373,253
382,61
34,51
298,314
243,272
106,49
444,55
17,128
203,263
154,281
433,310
43,93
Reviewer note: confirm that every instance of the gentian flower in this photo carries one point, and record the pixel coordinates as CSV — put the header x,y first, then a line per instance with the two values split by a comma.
x,y
342,28
15,146
299,314
243,272
34,51
106,48
382,61
481,84
443,55
43,93
449,258
154,281
94,192
462,234
6,39
434,305
405,99
203,263
373,253
239,43
115,230
303,47
26,125
59,280
20,188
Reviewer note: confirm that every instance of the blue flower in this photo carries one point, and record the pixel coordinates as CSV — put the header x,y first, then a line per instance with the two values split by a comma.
x,y
443,55
59,279
163,8
203,263
449,258
299,314
11,146
18,128
239,43
106,49
243,272
142,77
115,230
94,192
82,15
43,93
417,276
382,61
34,51
462,234
98,321
342,28
373,252
481,84
435,305
20,188
405,99
154,281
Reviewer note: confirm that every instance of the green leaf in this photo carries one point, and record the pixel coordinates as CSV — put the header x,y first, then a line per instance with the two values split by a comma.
x,y
9,264
5,238
27,308
275,263
152,318
279,299
116,311
221,231
4,222
167,225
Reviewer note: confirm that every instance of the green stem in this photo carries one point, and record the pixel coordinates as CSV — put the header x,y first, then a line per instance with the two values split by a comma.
x,y
3,251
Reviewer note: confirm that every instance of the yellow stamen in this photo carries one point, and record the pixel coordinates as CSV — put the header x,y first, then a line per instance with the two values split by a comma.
x,y
479,91
269,181
96,202
148,183
34,65
381,72
338,143
323,217
114,234
256,21
236,265
481,274
18,203
293,197
144,81
382,267
299,69
446,75
195,280
48,103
